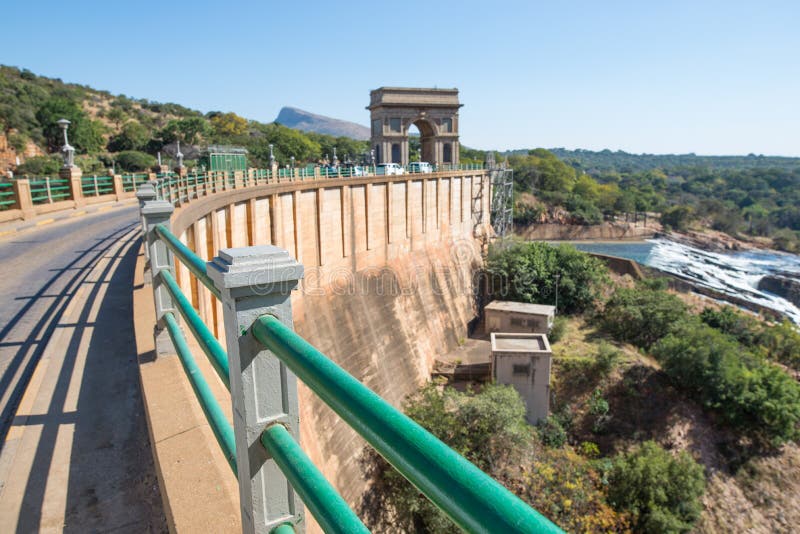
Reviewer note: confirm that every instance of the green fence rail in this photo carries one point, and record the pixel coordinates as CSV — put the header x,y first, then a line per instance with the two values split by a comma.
x,y
8,196
94,186
472,499
48,190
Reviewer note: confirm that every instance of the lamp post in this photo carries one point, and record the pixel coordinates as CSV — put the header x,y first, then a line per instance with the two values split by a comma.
x,y
67,150
179,155
292,160
335,159
271,156
557,277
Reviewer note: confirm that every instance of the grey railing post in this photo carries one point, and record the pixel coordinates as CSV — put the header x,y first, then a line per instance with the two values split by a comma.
x,y
157,212
255,281
146,193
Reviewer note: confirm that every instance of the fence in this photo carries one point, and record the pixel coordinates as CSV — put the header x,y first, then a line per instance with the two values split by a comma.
x,y
263,361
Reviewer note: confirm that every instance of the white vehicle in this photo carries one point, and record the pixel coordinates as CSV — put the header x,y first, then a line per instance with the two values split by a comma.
x,y
389,168
420,166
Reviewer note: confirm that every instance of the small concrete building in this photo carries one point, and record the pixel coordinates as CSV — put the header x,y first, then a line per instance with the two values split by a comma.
x,y
508,316
523,361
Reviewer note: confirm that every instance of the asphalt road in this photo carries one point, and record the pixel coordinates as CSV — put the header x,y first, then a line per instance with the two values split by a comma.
x,y
75,451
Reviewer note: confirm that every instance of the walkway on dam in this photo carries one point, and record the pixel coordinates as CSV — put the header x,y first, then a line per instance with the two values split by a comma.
x,y
75,451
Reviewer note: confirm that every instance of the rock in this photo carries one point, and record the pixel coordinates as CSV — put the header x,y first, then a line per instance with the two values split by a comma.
x,y
784,286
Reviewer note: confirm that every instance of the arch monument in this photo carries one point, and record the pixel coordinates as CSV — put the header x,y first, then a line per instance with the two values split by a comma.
x,y
433,111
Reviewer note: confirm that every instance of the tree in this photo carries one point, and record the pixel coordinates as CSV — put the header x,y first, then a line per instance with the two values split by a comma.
x,y
85,134
642,316
188,130
132,160
678,217
529,272
661,491
133,136
40,166
228,125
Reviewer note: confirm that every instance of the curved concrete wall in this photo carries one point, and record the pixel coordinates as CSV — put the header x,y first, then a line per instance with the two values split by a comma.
x,y
389,280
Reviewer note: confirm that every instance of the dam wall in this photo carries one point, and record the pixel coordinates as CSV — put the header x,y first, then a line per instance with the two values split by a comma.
x,y
389,280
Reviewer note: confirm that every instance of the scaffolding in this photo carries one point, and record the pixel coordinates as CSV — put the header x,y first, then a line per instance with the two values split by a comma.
x,y
502,212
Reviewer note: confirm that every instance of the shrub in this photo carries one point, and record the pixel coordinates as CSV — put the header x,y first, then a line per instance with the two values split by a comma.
x,y
661,492
132,160
746,391
606,359
526,272
642,316
40,166
551,432
558,330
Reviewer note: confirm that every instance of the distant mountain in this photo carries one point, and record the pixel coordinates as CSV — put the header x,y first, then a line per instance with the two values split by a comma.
x,y
310,122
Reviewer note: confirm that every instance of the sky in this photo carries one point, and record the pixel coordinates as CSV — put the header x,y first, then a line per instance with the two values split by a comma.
x,y
655,77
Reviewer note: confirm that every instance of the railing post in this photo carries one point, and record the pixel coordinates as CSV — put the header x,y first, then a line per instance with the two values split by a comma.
x,y
119,188
255,281
22,194
74,174
158,212
146,193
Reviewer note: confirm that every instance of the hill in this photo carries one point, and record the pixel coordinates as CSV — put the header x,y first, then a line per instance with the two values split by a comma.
x,y
116,130
310,122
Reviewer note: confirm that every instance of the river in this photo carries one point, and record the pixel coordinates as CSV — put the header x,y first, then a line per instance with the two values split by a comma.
x,y
734,273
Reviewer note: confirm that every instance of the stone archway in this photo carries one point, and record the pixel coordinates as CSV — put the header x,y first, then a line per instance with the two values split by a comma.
x,y
433,111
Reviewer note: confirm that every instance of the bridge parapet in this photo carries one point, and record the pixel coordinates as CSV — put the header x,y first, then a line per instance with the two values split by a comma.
x,y
264,357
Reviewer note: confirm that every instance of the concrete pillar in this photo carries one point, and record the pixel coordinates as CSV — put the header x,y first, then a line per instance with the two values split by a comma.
x,y
255,281
158,212
119,191
74,174
22,194
146,193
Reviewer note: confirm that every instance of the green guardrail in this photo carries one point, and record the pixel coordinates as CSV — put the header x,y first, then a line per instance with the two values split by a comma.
x,y
7,195
472,499
222,429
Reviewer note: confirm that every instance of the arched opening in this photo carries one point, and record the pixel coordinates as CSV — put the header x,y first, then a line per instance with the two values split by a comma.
x,y
396,155
447,156
424,147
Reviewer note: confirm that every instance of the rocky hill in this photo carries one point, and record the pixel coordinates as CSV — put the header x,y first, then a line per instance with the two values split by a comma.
x,y
310,122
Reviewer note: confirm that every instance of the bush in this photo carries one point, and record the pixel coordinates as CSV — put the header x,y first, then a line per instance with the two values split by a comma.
x,y
40,166
132,160
661,492
558,330
606,359
746,391
551,432
526,272
642,316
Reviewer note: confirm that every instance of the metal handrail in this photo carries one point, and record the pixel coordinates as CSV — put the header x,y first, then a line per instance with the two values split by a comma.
x,y
192,261
205,338
219,424
472,499
326,505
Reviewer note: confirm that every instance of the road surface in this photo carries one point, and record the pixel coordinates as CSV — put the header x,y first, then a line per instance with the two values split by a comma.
x,y
75,451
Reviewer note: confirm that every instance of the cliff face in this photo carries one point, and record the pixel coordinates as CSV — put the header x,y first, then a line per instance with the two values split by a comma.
x,y
9,157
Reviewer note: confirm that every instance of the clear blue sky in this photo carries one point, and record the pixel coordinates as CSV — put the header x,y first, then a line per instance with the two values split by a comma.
x,y
701,76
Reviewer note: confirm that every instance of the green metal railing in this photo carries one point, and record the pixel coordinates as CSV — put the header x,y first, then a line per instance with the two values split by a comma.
x,y
473,500
8,197
94,186
47,190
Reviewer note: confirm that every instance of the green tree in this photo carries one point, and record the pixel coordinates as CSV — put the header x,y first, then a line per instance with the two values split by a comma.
x,y
85,134
661,491
678,217
641,315
189,130
529,272
133,136
132,160
40,166
228,125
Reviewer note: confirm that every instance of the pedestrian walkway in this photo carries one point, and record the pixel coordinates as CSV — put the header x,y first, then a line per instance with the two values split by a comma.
x,y
76,455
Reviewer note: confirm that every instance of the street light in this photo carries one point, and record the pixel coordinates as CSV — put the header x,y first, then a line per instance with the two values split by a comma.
x,y
69,152
292,160
557,277
271,156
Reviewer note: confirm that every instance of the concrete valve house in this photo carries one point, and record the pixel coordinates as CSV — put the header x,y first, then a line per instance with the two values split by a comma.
x,y
523,361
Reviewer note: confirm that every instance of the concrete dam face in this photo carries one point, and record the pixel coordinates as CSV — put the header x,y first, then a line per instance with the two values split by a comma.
x,y
389,280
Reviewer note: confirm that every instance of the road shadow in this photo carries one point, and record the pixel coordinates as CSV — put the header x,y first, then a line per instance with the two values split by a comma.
x,y
111,481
